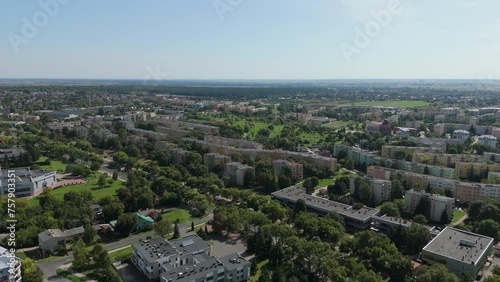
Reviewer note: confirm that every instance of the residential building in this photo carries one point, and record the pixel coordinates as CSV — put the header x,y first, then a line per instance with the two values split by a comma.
x,y
494,157
488,140
296,169
12,155
395,152
239,143
81,131
465,170
360,157
143,222
10,271
459,250
316,160
460,134
450,111
211,160
356,219
381,189
238,173
383,127
432,170
28,182
178,155
53,240
187,259
447,160
439,204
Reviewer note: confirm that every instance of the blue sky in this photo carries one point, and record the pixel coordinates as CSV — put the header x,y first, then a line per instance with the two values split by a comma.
x,y
253,39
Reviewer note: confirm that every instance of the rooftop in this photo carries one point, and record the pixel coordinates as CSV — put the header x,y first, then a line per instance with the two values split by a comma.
x,y
459,245
58,233
158,248
295,193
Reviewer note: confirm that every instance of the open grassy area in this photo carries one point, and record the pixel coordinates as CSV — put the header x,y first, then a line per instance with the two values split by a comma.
x,y
457,215
120,255
391,103
182,215
260,267
255,126
58,166
97,192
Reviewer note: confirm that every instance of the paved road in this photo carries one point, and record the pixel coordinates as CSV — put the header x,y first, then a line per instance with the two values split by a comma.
x,y
105,169
49,268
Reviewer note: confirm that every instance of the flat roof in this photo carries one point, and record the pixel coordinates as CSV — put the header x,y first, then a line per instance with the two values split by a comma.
x,y
459,245
295,193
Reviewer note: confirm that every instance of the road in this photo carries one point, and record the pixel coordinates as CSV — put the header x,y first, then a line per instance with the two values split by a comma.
x,y
105,169
49,268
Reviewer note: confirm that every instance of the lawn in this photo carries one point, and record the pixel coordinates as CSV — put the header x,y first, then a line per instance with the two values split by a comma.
x,y
91,185
457,215
258,125
55,166
326,181
260,267
392,103
120,255
182,215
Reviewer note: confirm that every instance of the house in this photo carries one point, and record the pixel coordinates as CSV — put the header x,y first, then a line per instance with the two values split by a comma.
x,y
143,222
55,239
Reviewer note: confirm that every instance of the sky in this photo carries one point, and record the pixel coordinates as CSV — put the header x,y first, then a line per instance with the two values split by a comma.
x,y
250,39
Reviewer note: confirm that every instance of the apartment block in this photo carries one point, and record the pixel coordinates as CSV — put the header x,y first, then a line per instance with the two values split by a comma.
x,y
211,160
462,170
381,189
383,127
439,204
488,140
178,155
237,172
432,170
392,151
239,143
360,157
447,160
316,160
12,154
296,169
460,134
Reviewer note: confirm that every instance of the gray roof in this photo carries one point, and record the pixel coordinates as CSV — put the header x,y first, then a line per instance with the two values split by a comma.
x,y
185,273
295,193
233,261
158,248
390,220
58,233
459,245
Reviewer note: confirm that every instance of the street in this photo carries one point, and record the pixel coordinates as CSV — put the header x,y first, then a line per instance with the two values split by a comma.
x,y
49,268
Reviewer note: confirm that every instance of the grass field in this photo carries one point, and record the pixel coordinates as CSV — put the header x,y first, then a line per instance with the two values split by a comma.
x,y
457,215
120,255
255,126
401,104
260,267
91,185
181,214
54,165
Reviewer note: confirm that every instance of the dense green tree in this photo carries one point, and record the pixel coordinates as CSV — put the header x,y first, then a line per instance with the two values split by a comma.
x,y
390,209
125,224
163,227
434,273
80,255
31,272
